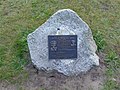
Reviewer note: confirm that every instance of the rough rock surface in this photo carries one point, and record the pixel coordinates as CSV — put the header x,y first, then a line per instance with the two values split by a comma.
x,y
70,24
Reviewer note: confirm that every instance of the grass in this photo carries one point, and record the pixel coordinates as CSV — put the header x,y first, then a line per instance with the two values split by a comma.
x,y
100,41
20,17
112,72
111,85
113,62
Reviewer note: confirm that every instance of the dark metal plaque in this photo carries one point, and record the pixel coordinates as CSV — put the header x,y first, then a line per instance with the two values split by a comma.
x,y
62,46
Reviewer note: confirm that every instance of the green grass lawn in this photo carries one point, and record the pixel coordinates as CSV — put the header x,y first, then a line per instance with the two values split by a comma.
x,y
20,17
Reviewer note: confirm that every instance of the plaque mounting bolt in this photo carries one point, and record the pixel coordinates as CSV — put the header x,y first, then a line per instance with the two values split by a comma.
x,y
58,28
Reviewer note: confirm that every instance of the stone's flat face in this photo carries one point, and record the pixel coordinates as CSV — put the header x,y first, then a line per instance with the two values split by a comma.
x,y
62,46
69,23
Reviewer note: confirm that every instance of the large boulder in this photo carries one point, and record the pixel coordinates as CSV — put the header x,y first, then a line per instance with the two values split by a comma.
x,y
69,23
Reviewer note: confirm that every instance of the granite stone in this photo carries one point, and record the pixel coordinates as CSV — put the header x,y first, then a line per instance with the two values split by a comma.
x,y
63,22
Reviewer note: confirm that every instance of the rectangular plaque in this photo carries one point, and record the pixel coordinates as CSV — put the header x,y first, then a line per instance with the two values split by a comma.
x,y
62,46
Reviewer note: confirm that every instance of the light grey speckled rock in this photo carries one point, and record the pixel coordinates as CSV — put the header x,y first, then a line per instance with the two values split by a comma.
x,y
70,24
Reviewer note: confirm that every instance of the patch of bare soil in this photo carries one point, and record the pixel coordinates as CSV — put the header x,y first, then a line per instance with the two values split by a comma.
x,y
40,80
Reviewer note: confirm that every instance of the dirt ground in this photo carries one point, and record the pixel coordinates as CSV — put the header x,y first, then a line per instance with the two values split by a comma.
x,y
40,80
